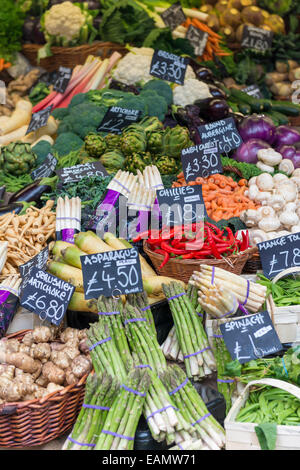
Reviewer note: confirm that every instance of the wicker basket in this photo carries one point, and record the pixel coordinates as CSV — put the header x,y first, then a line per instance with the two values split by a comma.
x,y
36,422
183,269
253,264
71,56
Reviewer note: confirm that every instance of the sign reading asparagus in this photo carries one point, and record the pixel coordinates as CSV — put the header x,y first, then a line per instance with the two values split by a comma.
x,y
111,273
62,79
46,295
201,160
197,38
168,66
256,38
77,172
182,205
117,118
39,119
173,16
279,254
250,337
224,132
46,168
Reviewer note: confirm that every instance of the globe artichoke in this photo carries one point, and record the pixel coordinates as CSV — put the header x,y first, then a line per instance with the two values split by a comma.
x,y
94,144
137,161
113,160
166,165
17,158
112,141
151,124
174,140
133,141
154,143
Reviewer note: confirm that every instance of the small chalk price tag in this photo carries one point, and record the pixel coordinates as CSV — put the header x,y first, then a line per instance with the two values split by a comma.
x,y
117,118
46,168
201,160
39,119
62,79
198,39
168,66
256,38
173,16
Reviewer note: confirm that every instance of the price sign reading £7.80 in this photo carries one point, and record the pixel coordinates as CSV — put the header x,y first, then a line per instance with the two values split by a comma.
x,y
279,254
224,132
168,66
111,273
201,160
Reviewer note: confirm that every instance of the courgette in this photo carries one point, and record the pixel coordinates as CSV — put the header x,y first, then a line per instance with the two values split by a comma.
x,y
234,106
281,118
285,107
256,104
272,117
244,108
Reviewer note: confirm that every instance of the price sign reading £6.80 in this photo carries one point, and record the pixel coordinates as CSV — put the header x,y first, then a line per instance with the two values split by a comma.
x,y
279,254
201,160
168,66
46,295
111,273
224,132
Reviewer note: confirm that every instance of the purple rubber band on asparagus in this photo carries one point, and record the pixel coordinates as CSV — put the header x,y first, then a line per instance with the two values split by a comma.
x,y
217,336
201,419
117,435
68,218
95,407
228,313
179,387
196,353
99,342
80,443
175,296
180,446
120,184
143,366
133,320
136,392
108,313
146,308
161,410
213,275
243,309
229,381
247,295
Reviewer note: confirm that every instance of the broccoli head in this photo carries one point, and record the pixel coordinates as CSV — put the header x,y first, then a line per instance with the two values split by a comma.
x,y
107,97
156,104
79,99
133,102
85,118
41,149
60,113
66,143
162,88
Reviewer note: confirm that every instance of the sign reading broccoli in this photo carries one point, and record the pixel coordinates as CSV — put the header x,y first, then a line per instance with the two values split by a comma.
x,y
168,66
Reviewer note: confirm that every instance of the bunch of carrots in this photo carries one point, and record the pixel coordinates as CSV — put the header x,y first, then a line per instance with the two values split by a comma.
x,y
3,64
223,197
213,46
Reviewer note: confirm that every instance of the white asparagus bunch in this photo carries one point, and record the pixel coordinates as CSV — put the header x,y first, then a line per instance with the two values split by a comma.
x,y
123,182
190,445
141,198
217,301
250,294
68,213
170,347
150,178
12,284
3,254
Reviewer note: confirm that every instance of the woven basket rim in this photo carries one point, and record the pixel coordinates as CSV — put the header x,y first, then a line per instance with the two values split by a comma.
x,y
39,401
54,49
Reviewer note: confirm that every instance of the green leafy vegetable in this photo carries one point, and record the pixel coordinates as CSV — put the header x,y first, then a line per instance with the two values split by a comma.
x,y
161,38
266,435
11,24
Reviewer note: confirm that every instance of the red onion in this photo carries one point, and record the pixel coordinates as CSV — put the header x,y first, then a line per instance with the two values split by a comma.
x,y
257,127
285,135
247,152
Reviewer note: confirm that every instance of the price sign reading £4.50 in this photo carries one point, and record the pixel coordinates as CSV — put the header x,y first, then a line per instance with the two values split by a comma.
x,y
279,254
168,66
111,273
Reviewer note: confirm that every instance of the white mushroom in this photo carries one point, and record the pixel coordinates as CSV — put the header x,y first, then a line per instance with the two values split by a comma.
x,y
289,218
276,201
257,236
286,166
263,167
279,178
269,224
269,156
265,182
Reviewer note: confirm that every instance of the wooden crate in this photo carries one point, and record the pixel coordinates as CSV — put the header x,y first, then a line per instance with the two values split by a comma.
x,y
286,320
242,436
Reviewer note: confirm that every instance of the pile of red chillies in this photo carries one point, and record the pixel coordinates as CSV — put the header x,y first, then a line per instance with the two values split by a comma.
x,y
195,241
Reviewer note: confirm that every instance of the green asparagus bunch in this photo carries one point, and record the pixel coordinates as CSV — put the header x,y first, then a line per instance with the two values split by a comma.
x,y
100,392
122,419
104,352
140,300
110,311
198,358
142,340
193,408
171,348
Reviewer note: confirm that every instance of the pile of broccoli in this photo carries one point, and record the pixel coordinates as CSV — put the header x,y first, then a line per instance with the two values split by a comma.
x,y
86,111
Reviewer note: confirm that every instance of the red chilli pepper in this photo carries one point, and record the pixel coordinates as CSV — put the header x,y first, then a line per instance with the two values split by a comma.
x,y
170,249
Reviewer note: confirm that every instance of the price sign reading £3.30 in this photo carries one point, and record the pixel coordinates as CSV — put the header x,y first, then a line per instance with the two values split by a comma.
x,y
279,254
111,273
201,160
168,66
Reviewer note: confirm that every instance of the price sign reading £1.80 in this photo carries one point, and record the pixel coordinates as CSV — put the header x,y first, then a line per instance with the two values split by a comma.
x,y
279,254
168,66
111,273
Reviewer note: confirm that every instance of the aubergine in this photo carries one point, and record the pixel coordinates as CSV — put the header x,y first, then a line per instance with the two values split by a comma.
x,y
30,193
11,207
216,92
216,109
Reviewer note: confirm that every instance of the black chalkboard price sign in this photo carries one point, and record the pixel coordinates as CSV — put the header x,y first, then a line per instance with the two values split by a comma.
x,y
256,38
46,168
77,172
182,205
224,132
38,261
62,79
197,38
250,337
112,273
201,160
279,254
46,295
253,90
173,16
39,119
117,118
168,66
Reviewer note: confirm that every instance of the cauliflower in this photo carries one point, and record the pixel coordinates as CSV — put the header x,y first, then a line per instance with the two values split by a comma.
x,y
64,19
191,91
134,67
